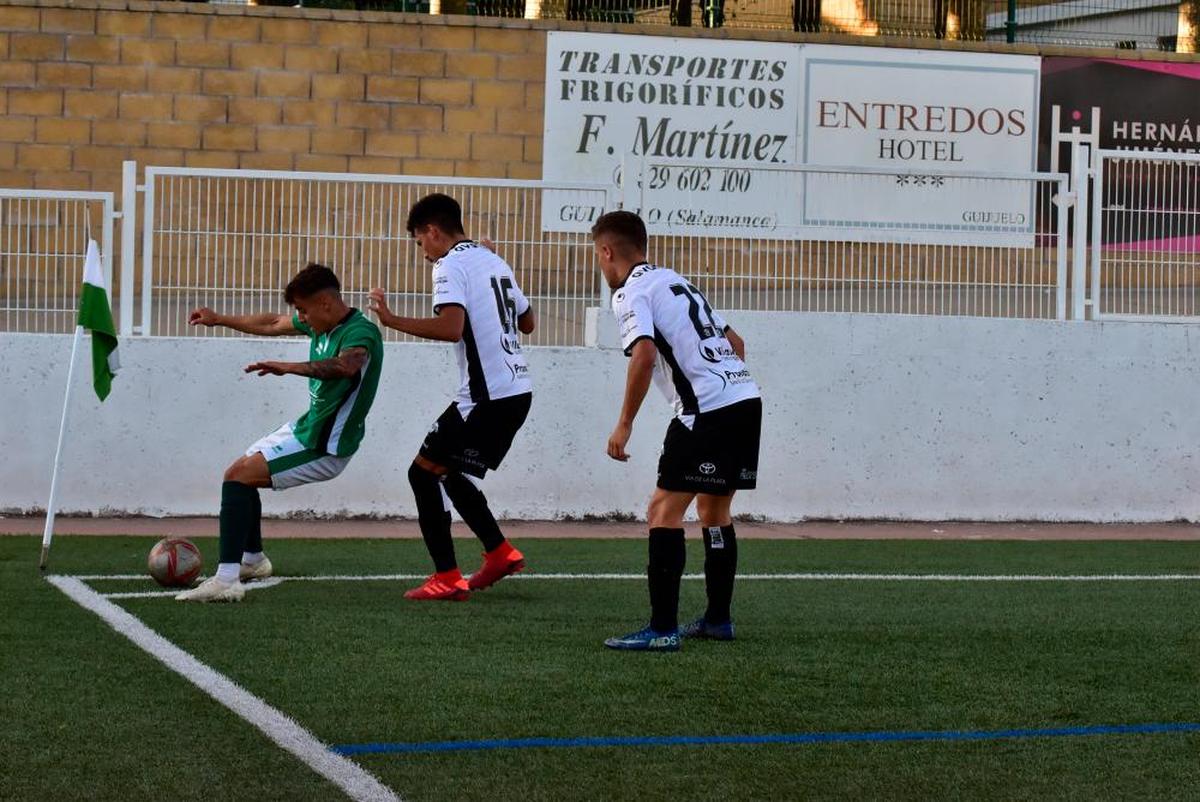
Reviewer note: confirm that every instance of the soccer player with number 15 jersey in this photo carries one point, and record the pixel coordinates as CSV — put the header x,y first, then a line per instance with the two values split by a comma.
x,y
479,307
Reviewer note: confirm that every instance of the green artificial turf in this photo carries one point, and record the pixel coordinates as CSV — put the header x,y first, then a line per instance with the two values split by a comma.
x,y
86,715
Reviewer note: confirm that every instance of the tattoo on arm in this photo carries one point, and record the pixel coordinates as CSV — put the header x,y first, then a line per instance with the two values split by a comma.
x,y
342,366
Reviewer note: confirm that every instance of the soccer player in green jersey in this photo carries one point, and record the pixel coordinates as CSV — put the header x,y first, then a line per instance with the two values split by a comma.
x,y
345,356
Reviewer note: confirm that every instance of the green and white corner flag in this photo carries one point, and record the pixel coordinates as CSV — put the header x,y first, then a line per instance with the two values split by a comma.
x,y
95,315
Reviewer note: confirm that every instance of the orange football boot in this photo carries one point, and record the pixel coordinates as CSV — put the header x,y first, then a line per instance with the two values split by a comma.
x,y
502,561
443,586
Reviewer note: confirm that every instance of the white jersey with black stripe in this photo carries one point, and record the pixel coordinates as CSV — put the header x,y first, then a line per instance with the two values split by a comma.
x,y
697,369
490,360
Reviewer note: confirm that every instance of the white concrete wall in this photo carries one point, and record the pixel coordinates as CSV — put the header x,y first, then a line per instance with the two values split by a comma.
x,y
866,417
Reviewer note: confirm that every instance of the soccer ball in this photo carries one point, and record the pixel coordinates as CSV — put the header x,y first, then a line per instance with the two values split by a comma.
x,y
175,562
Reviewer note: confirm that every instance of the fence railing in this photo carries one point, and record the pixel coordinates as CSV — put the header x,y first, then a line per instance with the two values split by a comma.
x,y
43,240
231,239
1133,24
854,239
1145,256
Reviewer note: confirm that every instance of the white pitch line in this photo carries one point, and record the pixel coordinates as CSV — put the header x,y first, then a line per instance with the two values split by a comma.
x,y
808,577
153,594
357,782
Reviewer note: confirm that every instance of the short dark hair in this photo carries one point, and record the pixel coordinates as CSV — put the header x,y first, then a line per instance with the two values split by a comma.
x,y
308,282
438,210
625,226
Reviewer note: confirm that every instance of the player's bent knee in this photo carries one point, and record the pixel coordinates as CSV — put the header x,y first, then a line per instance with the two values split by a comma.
x,y
238,471
250,470
420,477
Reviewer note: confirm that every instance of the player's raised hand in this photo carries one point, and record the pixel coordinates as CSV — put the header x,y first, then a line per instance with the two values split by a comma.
x,y
203,316
617,441
268,368
377,303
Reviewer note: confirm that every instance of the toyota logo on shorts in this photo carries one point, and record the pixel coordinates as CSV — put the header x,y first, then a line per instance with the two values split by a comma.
x,y
707,468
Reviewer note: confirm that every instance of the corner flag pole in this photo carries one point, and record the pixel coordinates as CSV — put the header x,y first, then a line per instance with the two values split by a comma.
x,y
52,504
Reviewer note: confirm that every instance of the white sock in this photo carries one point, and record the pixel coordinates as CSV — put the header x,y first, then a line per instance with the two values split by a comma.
x,y
252,557
228,572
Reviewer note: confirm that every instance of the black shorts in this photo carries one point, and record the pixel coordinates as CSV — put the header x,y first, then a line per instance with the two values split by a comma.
x,y
718,455
480,442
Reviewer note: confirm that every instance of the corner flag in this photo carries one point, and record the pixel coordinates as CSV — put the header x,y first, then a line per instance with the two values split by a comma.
x,y
95,315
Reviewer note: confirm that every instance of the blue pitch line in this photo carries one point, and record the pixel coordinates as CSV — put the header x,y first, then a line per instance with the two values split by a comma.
x,y
744,740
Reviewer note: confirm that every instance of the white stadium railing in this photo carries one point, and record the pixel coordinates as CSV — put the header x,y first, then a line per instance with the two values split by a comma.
x,y
864,241
43,239
853,239
1145,255
231,239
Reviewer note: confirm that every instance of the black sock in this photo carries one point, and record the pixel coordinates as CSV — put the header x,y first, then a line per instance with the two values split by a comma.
x,y
667,556
720,567
254,535
433,517
473,507
238,519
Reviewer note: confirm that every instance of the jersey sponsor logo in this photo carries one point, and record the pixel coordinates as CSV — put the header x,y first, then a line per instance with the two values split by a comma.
x,y
748,476
518,370
619,297
510,345
738,376
707,468
717,352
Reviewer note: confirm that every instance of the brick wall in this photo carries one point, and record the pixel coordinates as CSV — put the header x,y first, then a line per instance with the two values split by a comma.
x,y
84,86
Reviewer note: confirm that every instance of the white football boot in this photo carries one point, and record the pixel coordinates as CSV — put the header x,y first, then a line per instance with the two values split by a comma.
x,y
259,570
214,590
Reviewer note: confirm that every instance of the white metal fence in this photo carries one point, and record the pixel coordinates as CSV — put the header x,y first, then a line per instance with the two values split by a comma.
x,y
43,239
852,239
1145,236
231,239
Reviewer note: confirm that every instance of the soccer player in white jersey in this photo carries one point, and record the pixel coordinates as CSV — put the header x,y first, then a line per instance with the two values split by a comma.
x,y
477,306
673,337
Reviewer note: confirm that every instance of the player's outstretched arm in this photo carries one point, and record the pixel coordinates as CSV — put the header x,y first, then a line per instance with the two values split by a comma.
x,y
446,326
526,322
737,343
265,325
637,383
342,366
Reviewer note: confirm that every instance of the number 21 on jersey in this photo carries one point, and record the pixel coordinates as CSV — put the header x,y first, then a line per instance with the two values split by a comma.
x,y
705,329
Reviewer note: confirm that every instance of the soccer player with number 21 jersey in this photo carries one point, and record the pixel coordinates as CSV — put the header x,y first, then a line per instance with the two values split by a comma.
x,y
674,337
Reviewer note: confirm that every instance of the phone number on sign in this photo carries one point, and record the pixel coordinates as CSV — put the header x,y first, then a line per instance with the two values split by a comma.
x,y
694,179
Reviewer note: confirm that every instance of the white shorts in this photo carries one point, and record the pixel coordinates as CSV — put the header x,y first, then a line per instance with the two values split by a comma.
x,y
291,463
